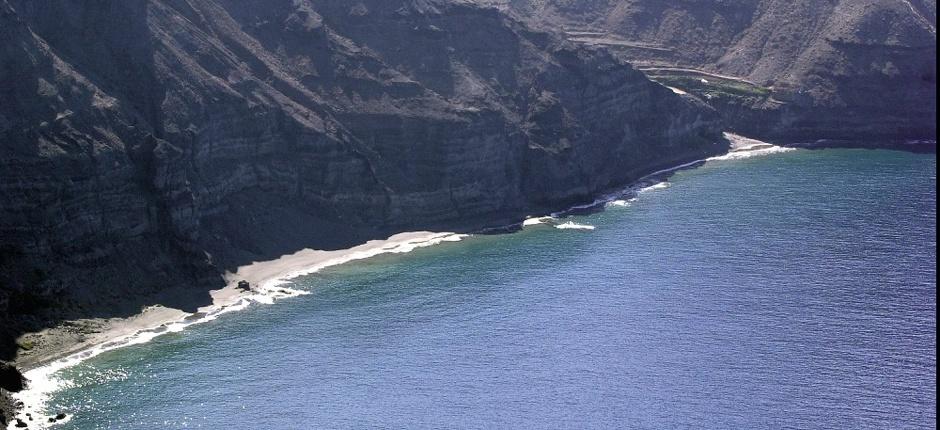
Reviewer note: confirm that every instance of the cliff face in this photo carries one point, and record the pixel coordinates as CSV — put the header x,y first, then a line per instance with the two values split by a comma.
x,y
843,69
148,146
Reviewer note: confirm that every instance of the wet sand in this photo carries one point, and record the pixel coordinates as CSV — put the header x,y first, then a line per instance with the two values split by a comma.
x,y
76,337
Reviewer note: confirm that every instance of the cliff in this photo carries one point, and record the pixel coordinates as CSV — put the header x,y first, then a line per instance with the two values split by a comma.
x,y
149,146
800,70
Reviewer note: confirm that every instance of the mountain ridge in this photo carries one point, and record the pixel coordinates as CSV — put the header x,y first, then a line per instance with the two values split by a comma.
x,y
833,69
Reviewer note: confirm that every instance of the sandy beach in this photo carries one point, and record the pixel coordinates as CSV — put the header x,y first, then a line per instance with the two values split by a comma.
x,y
78,337
61,347
64,346
74,338
264,274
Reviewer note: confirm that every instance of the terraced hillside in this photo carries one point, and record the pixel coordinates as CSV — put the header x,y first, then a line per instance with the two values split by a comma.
x,y
835,69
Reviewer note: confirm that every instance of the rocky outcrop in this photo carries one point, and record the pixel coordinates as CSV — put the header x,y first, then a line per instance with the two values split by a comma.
x,y
11,380
148,146
849,69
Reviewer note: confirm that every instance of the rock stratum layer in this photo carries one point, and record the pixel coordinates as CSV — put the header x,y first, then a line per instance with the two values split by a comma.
x,y
149,146
805,69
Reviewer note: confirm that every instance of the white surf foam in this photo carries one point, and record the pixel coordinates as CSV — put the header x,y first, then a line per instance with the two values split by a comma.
x,y
44,381
399,247
570,225
746,152
745,147
654,187
620,203
534,221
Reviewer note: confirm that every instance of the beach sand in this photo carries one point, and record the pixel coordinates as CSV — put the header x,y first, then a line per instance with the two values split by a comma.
x,y
75,337
54,349
70,343
264,276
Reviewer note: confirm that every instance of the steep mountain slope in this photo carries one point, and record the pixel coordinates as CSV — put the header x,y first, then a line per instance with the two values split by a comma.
x,y
149,146
830,68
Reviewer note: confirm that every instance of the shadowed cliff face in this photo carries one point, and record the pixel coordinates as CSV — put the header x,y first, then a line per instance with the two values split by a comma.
x,y
845,69
148,146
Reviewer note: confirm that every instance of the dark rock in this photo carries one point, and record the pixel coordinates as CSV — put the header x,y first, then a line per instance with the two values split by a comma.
x,y
7,408
11,379
60,416
244,285
21,424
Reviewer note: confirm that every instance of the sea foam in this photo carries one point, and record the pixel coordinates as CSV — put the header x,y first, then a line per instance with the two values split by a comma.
x,y
44,381
654,187
534,221
620,203
570,225
750,152
744,147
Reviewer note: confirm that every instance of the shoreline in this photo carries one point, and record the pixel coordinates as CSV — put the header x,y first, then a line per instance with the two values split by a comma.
x,y
263,276
268,274
298,264
266,279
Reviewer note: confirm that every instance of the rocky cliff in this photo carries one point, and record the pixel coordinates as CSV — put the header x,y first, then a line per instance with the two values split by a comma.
x,y
807,69
148,146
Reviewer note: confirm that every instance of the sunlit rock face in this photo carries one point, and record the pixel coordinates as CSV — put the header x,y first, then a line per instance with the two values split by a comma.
x,y
850,69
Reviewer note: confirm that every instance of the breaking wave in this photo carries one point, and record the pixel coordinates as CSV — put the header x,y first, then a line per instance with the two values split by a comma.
x,y
759,151
43,381
570,225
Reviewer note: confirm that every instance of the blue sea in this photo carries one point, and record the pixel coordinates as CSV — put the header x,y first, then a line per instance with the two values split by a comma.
x,y
792,290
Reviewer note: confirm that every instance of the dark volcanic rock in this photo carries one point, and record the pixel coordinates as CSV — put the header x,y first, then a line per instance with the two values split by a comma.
x,y
10,378
836,69
147,146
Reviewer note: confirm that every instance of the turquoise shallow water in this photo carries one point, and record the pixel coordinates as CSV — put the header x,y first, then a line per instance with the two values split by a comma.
x,y
790,291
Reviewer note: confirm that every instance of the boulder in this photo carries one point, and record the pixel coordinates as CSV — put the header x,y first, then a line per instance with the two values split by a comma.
x,y
11,379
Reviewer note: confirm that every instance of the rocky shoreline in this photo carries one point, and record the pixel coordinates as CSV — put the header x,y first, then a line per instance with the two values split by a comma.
x,y
10,379
75,336
218,148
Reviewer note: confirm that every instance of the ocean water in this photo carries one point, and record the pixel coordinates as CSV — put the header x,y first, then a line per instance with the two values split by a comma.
x,y
794,290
